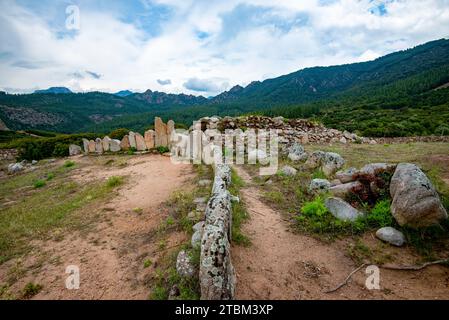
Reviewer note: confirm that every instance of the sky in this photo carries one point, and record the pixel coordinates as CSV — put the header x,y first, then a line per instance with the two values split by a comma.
x,y
200,47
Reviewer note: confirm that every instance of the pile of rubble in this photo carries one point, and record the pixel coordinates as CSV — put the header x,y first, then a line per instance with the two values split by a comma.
x,y
289,130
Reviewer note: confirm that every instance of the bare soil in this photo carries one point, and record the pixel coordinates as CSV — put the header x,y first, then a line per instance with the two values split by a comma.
x,y
111,253
281,264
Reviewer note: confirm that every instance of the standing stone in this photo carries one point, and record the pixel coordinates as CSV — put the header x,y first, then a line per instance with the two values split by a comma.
x,y
114,145
331,163
149,139
132,140
140,142
98,146
415,200
124,144
92,146
86,145
161,133
106,141
74,150
170,129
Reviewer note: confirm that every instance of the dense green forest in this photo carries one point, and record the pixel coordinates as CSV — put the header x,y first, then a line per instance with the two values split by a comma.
x,y
403,93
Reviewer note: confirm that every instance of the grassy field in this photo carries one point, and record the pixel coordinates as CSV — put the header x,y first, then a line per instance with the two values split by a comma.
x,y
42,203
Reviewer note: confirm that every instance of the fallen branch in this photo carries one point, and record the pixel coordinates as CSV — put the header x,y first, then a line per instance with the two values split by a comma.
x,y
414,267
346,280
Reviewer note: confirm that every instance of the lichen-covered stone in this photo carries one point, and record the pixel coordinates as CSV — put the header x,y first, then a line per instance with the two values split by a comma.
x,y
184,265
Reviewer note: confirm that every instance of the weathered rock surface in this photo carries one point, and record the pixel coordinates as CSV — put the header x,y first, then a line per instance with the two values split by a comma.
x,y
288,171
321,185
391,235
132,140
342,210
184,265
86,146
98,146
296,152
124,144
343,190
347,175
149,139
114,145
160,128
92,146
140,142
331,163
15,167
315,159
74,150
106,144
376,168
415,200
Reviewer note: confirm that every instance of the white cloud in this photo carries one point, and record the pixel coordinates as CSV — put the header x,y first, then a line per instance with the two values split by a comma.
x,y
206,41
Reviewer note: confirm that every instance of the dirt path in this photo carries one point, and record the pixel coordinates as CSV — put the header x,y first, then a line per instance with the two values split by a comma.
x,y
280,264
111,253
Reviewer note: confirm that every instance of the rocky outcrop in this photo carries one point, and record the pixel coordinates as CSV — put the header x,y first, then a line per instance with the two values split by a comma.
x,y
415,200
328,162
342,210
217,275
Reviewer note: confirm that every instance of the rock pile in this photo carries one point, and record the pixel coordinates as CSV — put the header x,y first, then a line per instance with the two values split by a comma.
x,y
290,130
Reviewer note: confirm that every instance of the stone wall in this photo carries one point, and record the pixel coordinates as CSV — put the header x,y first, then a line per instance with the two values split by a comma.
x,y
8,154
216,274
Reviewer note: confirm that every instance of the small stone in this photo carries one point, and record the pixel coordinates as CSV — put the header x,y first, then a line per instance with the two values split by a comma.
x,y
196,239
184,265
15,167
343,140
391,235
288,171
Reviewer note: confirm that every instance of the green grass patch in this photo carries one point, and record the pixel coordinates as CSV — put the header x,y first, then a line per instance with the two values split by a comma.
x,y
39,184
239,213
114,181
30,290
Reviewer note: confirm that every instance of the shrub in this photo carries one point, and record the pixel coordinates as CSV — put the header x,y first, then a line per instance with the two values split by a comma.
x,y
39,184
30,290
314,208
380,216
118,133
69,164
162,149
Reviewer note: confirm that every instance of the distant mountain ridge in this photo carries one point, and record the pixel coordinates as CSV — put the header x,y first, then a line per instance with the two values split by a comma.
x,y
54,90
404,79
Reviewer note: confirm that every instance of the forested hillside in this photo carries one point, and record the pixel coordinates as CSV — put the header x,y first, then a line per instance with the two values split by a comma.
x,y
404,93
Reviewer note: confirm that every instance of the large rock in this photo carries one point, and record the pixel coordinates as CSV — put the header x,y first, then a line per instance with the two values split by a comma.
x,y
184,265
161,138
74,150
86,145
15,167
114,145
98,146
140,142
391,235
342,190
149,139
196,239
342,210
170,130
132,140
92,146
415,200
124,144
296,152
331,163
288,171
106,144
321,185
315,159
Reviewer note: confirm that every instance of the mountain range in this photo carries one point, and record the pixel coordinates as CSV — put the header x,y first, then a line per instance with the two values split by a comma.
x,y
410,84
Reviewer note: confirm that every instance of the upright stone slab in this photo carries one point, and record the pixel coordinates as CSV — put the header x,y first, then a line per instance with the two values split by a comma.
x,y
92,146
98,146
132,140
86,146
124,144
106,141
161,133
149,139
140,142
170,130
114,145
